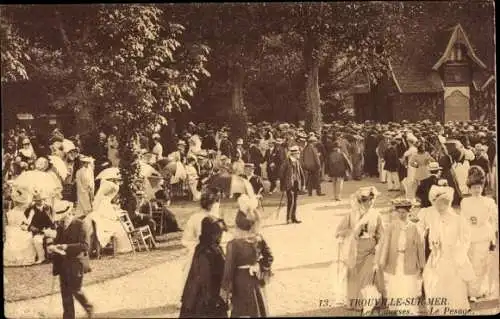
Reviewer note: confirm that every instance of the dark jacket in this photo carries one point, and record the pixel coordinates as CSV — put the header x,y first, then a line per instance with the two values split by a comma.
x,y
277,156
289,174
391,158
76,260
209,143
310,158
424,188
42,218
254,156
226,148
338,164
414,259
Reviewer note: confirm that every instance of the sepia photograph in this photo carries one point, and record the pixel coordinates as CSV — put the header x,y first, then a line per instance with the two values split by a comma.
x,y
247,160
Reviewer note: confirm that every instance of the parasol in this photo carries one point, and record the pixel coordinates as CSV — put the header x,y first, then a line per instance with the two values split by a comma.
x,y
59,166
38,181
147,171
231,184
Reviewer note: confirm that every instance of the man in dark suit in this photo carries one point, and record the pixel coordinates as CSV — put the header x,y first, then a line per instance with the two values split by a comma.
x,y
254,156
291,180
426,184
274,157
70,258
254,180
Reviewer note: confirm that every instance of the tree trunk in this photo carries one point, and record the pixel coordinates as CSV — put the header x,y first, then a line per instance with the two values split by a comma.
x,y
238,110
311,62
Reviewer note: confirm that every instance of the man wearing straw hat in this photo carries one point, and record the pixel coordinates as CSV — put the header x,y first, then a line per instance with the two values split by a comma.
x,y
69,247
291,181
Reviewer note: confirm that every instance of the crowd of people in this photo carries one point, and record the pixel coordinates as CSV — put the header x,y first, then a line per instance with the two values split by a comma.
x,y
438,166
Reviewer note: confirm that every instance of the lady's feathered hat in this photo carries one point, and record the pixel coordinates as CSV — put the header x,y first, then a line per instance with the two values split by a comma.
x,y
247,215
476,176
365,193
440,192
402,202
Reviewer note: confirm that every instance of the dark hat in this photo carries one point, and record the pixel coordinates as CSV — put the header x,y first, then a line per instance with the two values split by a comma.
x,y
401,203
243,222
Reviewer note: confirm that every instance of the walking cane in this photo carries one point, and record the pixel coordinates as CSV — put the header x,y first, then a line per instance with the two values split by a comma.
x,y
279,206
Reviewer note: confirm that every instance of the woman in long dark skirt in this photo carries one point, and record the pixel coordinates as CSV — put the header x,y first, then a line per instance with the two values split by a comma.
x,y
248,264
201,296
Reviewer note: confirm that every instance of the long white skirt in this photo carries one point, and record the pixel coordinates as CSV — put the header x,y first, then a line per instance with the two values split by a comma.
x,y
19,248
443,280
403,286
479,257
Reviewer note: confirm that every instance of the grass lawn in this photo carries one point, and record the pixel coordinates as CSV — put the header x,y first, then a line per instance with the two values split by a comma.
x,y
35,281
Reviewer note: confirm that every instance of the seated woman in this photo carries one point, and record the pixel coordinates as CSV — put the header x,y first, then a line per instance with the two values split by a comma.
x,y
107,218
19,249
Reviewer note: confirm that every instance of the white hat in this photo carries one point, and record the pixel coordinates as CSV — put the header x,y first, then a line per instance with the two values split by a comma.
x,y
61,208
239,141
156,135
440,192
68,146
246,203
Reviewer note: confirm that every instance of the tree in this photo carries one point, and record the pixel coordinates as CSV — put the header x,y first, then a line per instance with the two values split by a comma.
x,y
234,33
13,54
125,63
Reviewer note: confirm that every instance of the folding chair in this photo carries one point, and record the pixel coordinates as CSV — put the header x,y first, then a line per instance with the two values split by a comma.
x,y
140,236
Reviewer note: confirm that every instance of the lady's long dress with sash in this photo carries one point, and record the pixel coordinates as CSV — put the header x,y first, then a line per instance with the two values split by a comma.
x,y
448,270
481,214
248,295
363,255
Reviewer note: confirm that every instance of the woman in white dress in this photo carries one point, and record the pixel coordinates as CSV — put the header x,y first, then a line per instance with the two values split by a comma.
x,y
107,218
402,259
461,167
19,248
448,270
481,214
210,203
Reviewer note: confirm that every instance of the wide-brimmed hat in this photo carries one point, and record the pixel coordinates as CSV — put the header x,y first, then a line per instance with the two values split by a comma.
x,y
402,202
181,142
68,146
86,159
62,208
440,192
250,165
312,138
434,166
367,192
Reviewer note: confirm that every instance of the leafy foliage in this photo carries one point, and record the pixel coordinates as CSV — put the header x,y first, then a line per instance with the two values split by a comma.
x,y
13,54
